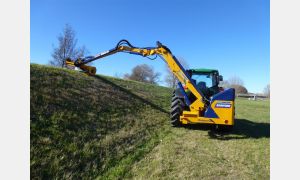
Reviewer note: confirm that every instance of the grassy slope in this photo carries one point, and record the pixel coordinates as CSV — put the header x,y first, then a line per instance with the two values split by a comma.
x,y
83,126
122,129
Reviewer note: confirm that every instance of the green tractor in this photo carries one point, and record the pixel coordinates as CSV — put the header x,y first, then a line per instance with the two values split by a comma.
x,y
207,80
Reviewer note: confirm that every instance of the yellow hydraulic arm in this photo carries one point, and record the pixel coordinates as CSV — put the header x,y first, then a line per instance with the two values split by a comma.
x,y
198,106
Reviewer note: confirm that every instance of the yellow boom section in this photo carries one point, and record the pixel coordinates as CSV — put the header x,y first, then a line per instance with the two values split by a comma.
x,y
162,51
197,105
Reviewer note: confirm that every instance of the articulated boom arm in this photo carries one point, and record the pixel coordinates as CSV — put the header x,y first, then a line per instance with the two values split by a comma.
x,y
160,50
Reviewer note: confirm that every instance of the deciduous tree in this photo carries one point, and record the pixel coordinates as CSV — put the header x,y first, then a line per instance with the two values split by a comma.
x,y
66,48
143,73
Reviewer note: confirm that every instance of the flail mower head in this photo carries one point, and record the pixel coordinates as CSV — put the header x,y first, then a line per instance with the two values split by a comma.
x,y
89,70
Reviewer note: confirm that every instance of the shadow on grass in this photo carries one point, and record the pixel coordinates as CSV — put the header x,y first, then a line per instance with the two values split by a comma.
x,y
243,129
132,94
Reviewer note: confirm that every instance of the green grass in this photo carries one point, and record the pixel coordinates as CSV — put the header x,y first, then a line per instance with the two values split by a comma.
x,y
200,152
107,128
83,126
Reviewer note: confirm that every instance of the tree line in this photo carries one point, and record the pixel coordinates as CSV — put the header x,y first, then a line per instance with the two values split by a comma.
x,y
67,48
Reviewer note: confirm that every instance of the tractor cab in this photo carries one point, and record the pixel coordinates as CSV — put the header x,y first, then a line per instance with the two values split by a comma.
x,y
207,80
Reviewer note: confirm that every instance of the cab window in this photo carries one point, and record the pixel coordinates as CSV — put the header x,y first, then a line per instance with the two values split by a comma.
x,y
204,78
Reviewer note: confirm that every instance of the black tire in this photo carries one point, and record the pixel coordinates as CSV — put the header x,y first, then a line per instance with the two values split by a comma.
x,y
177,106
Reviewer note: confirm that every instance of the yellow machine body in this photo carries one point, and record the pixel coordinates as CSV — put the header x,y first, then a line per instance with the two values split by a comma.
x,y
225,115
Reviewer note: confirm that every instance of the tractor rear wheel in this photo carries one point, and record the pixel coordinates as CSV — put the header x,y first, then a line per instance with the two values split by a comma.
x,y
177,106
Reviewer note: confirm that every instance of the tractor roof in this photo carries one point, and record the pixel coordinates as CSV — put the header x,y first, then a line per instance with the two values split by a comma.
x,y
203,70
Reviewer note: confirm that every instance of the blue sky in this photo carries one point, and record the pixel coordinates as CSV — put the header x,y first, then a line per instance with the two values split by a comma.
x,y
232,36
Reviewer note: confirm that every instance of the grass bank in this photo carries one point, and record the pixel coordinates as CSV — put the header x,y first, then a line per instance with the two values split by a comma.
x,y
83,126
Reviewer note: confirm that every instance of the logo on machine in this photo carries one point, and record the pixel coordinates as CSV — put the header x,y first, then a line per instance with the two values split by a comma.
x,y
223,105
